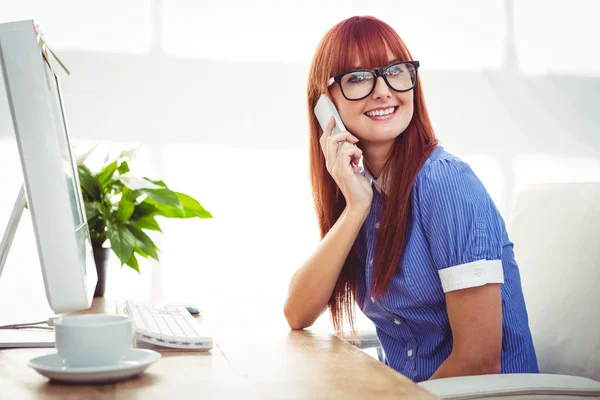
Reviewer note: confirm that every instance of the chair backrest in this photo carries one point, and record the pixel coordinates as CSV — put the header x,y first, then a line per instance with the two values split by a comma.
x,y
556,232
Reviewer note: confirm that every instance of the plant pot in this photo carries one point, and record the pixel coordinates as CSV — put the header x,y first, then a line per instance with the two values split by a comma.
x,y
101,256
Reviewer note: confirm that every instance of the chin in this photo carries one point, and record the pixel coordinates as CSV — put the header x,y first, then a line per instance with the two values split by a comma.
x,y
379,137
389,136
383,134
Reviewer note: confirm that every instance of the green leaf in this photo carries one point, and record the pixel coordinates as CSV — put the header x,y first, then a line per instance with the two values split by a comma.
x,y
83,169
97,228
89,184
132,195
92,210
133,263
191,207
105,176
144,242
169,211
123,167
125,209
163,196
136,249
115,186
144,209
121,241
147,222
159,183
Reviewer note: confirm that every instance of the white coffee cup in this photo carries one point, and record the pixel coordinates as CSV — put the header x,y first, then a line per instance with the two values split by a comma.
x,y
94,339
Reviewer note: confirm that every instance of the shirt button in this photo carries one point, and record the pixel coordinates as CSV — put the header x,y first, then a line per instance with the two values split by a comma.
x,y
397,322
409,353
371,261
372,299
377,225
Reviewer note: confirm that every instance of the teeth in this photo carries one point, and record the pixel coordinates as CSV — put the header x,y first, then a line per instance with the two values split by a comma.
x,y
379,113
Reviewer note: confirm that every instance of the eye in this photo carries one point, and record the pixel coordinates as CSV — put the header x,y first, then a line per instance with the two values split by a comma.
x,y
395,70
358,77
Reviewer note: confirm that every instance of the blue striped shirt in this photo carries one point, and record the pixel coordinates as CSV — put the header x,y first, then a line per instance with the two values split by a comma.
x,y
456,239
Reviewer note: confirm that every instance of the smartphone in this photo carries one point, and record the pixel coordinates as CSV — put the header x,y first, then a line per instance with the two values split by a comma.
x,y
324,110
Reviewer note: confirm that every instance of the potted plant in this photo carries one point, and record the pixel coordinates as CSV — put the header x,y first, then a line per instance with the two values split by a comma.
x,y
120,207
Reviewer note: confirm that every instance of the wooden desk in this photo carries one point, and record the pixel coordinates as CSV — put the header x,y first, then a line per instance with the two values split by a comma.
x,y
255,357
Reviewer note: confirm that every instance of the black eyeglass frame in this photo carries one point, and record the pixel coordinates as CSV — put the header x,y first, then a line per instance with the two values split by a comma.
x,y
377,72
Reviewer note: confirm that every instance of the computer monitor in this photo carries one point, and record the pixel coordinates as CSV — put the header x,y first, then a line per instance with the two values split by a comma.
x,y
51,183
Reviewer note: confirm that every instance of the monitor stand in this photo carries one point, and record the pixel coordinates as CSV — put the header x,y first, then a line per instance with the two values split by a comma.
x,y
19,338
11,229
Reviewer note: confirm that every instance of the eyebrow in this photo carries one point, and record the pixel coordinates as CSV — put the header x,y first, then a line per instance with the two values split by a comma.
x,y
395,60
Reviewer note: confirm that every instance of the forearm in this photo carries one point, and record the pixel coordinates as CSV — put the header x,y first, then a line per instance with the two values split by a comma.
x,y
457,365
312,285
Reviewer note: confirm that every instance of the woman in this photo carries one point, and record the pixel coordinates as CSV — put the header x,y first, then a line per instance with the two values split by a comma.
x,y
413,238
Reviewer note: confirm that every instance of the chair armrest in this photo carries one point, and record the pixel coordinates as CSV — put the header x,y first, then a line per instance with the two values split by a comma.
x,y
363,339
512,386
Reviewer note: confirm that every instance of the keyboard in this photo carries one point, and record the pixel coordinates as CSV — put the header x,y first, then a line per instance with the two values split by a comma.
x,y
168,326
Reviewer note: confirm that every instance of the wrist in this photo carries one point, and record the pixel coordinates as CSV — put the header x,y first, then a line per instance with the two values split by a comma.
x,y
357,211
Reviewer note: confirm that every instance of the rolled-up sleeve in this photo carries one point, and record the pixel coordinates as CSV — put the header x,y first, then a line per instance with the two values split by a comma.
x,y
462,225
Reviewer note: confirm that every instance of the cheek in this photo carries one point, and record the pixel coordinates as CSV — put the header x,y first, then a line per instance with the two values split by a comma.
x,y
350,113
410,109
349,110
408,105
407,98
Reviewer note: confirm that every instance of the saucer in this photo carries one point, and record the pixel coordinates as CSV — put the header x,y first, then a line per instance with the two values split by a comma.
x,y
134,363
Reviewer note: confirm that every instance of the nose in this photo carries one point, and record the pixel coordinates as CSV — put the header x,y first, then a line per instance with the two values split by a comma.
x,y
381,90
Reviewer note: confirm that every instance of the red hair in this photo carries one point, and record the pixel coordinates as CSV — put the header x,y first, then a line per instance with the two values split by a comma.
x,y
367,39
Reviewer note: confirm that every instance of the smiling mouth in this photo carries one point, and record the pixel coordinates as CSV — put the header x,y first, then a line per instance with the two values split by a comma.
x,y
382,113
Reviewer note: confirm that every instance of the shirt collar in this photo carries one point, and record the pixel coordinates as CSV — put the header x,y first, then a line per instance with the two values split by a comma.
x,y
375,182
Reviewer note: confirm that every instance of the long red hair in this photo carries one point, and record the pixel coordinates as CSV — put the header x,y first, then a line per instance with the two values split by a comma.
x,y
367,39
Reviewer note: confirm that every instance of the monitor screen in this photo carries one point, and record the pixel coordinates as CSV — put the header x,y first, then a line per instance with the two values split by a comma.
x,y
68,164
50,177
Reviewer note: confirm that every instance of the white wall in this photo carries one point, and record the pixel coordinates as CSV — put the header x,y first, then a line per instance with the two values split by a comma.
x,y
215,94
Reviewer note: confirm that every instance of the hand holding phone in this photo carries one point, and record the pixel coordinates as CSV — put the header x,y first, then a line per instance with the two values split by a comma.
x,y
324,110
342,156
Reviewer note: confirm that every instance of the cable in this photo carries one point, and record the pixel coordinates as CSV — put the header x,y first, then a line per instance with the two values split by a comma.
x,y
33,325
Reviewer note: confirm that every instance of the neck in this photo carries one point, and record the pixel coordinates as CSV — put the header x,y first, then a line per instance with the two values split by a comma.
x,y
375,155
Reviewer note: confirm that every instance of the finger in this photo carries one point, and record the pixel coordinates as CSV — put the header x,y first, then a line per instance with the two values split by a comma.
x,y
335,141
346,155
330,126
327,131
341,137
334,152
356,156
326,134
332,149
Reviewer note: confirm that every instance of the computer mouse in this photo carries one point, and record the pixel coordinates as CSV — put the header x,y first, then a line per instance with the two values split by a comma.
x,y
192,308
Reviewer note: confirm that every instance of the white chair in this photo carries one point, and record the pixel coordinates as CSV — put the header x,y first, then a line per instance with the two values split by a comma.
x,y
556,232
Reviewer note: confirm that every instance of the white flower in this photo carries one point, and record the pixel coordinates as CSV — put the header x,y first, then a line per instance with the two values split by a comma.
x,y
135,183
80,159
130,154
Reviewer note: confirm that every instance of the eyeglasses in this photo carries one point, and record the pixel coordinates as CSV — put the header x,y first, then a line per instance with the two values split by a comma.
x,y
400,76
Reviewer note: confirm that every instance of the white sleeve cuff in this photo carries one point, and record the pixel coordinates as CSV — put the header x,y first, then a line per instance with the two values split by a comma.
x,y
477,273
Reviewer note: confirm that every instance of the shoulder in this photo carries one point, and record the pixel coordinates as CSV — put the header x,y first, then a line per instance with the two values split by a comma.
x,y
445,173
